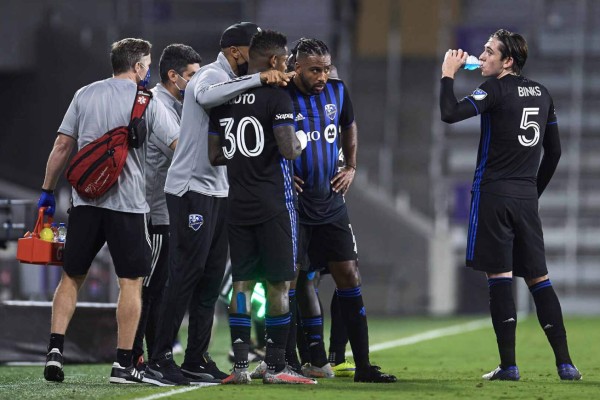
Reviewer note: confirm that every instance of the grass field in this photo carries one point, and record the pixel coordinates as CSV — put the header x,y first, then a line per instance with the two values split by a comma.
x,y
447,367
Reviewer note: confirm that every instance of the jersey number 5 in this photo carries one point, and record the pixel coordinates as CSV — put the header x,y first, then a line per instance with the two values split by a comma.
x,y
238,141
525,124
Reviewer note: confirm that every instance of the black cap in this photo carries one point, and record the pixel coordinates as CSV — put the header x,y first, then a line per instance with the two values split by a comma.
x,y
239,34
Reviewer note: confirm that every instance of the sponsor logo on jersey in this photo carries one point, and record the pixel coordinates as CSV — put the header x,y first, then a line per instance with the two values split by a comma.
x,y
195,221
331,111
284,116
330,133
299,117
479,94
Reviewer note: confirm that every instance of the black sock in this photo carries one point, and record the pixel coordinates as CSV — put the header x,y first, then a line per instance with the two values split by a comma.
x,y
313,334
57,341
278,327
338,335
291,356
303,351
355,319
551,320
124,357
239,325
504,318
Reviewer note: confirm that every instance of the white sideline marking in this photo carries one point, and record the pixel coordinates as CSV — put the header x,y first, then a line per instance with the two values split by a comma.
x,y
429,335
169,393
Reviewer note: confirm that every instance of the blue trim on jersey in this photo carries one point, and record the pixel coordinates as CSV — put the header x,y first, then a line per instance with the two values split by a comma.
x,y
288,186
332,148
214,133
552,123
284,124
485,146
317,121
473,221
474,105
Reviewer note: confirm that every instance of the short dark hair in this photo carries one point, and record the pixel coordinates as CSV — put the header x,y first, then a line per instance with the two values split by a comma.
x,y
307,47
176,57
125,53
513,45
267,43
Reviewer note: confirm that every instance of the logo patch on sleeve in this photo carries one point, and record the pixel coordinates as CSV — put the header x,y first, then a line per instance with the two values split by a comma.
x,y
479,94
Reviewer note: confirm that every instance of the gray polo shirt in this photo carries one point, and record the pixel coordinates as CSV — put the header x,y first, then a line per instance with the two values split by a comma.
x,y
158,160
105,105
213,85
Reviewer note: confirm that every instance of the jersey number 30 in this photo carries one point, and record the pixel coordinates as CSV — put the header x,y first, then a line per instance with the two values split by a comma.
x,y
238,141
525,124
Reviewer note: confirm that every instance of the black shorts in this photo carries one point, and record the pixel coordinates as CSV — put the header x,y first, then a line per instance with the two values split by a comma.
x,y
505,234
321,244
125,233
265,251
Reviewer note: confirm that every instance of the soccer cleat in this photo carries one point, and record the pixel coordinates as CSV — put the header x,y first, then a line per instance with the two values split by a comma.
x,y
312,371
569,372
373,374
239,376
165,368
287,376
204,371
259,371
53,371
345,369
121,374
509,374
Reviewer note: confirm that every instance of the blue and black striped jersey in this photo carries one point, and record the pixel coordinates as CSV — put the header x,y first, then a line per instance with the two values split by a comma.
x,y
319,118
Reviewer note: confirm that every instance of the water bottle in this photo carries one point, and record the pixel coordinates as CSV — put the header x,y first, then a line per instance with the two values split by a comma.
x,y
472,63
54,228
62,232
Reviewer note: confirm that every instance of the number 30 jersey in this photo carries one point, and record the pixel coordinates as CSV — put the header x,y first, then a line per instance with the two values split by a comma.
x,y
514,114
260,179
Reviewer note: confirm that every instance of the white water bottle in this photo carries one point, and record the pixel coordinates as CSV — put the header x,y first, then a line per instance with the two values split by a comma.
x,y
472,63
62,232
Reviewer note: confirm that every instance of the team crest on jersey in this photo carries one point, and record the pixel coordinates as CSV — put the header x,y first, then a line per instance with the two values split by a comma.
x,y
195,221
479,94
331,111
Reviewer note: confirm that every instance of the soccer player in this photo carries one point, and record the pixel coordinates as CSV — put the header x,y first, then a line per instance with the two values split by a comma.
x,y
117,217
254,136
505,232
196,200
321,105
178,63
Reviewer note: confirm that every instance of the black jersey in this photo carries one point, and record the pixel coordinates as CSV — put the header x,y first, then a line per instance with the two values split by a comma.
x,y
318,118
260,179
514,114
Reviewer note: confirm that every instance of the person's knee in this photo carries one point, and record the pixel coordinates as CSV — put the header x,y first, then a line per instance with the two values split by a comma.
x,y
533,281
345,274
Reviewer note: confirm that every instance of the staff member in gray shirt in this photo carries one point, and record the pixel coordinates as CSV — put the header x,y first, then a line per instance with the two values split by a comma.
x,y
116,218
178,64
196,199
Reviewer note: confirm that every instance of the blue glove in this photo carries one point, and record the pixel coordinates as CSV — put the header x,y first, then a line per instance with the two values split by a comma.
x,y
47,200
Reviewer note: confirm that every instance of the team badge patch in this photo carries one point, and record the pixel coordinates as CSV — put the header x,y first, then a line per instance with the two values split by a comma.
x,y
331,111
479,94
195,221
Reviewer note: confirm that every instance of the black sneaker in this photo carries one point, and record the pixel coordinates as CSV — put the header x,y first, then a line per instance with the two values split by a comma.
x,y
53,371
140,363
373,374
204,371
121,374
165,368
154,377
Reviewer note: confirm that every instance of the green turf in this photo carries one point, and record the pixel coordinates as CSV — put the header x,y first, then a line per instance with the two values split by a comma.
x,y
443,368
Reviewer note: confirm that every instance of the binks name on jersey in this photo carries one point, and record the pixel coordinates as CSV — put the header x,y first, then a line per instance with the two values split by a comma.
x,y
244,98
529,91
